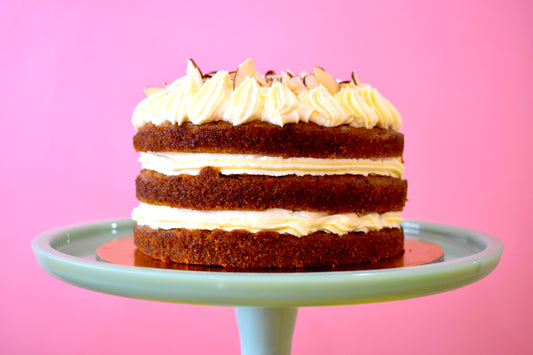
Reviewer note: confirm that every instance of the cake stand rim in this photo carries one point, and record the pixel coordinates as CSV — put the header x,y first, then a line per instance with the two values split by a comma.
x,y
278,289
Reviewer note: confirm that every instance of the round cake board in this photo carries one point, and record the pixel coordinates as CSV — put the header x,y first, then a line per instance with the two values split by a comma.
x,y
122,251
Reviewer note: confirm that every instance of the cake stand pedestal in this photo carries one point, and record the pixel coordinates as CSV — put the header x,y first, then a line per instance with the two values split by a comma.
x,y
266,303
266,330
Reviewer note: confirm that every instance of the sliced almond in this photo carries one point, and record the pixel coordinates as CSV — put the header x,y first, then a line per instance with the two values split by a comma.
x,y
231,75
269,77
346,84
295,84
285,77
244,70
196,66
303,74
261,79
275,79
209,75
151,90
354,79
310,81
326,80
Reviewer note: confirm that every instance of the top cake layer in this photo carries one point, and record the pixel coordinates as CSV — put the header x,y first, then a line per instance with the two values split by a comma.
x,y
245,95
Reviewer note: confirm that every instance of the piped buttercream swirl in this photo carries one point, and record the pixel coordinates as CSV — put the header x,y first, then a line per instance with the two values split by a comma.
x,y
198,100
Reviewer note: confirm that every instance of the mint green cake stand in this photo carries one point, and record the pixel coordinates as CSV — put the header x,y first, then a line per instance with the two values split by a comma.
x,y
266,303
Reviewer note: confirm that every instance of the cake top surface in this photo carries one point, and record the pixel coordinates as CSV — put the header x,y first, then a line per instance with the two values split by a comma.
x,y
245,95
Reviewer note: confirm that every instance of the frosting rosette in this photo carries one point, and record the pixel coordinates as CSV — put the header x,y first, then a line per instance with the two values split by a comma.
x,y
245,95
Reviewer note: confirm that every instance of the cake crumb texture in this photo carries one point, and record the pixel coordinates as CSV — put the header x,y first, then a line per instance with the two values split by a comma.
x,y
243,249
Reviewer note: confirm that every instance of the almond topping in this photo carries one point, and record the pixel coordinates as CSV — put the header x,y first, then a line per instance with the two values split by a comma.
x,y
209,75
244,70
346,84
354,79
310,81
261,79
285,77
275,79
295,84
151,90
196,66
270,77
326,80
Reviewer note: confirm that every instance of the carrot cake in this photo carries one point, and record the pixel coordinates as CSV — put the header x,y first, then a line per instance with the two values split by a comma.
x,y
251,171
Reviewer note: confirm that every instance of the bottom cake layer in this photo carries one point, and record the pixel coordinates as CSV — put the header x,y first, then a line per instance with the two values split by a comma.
x,y
243,249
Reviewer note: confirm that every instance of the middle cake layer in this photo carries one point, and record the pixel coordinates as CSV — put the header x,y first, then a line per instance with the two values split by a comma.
x,y
211,190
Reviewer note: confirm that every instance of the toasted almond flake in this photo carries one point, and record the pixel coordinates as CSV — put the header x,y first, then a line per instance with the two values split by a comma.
x,y
151,90
261,79
270,77
346,84
354,79
326,80
209,75
275,79
244,70
295,84
310,81
196,66
285,77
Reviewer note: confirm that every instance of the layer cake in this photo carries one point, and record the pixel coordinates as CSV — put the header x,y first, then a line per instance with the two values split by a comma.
x,y
252,171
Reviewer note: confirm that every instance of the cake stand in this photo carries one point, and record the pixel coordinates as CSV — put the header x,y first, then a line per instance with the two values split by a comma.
x,y
266,303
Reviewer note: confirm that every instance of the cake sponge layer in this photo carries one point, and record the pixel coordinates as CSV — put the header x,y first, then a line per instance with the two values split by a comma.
x,y
211,190
291,140
243,249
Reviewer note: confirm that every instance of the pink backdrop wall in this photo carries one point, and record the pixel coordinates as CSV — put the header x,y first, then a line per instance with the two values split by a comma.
x,y
459,72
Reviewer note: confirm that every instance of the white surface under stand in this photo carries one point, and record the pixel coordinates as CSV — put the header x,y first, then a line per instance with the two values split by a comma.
x,y
266,303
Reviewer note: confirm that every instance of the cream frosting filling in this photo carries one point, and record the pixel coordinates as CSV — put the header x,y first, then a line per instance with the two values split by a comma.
x,y
177,163
297,223
190,98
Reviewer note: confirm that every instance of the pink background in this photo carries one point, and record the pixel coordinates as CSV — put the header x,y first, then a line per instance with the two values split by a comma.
x,y
460,72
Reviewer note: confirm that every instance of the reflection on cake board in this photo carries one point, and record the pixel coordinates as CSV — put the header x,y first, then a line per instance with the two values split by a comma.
x,y
122,251
266,302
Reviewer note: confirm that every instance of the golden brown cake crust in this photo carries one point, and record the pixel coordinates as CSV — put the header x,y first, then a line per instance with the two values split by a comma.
x,y
291,140
211,190
243,249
